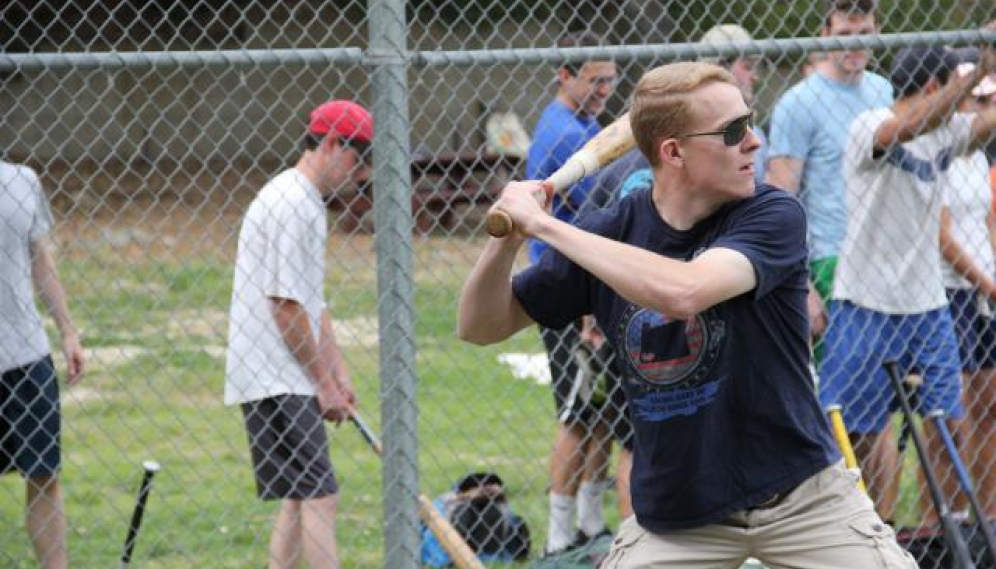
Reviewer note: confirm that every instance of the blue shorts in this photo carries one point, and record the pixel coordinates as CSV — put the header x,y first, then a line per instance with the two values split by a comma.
x,y
975,330
30,420
859,340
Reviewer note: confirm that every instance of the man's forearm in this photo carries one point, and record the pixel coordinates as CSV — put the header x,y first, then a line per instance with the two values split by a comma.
x,y
332,358
295,329
46,280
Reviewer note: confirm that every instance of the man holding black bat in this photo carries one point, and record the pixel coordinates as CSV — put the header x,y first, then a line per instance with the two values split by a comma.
x,y
700,284
284,366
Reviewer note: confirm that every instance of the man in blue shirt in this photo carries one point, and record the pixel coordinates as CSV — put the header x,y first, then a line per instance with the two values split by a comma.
x,y
700,285
808,131
581,446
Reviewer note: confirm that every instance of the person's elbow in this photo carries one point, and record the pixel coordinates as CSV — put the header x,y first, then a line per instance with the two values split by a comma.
x,y
674,300
467,332
491,326
478,334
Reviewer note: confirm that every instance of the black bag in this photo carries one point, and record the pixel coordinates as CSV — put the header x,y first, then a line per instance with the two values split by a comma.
x,y
478,510
931,551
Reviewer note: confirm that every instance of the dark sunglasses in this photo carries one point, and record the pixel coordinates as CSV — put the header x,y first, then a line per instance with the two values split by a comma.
x,y
362,149
733,133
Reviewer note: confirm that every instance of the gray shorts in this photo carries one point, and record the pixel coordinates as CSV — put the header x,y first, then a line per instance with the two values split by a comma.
x,y
290,448
30,420
825,522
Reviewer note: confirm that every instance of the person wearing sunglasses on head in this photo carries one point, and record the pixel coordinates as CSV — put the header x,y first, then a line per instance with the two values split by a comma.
x,y
888,300
700,286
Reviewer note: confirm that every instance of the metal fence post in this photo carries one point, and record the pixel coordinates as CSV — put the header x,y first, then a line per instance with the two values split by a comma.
x,y
395,281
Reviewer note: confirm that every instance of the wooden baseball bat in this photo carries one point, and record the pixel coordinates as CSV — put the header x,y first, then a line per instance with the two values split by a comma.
x,y
952,532
611,143
844,443
451,540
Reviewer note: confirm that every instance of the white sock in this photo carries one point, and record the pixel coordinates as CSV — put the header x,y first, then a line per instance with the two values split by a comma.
x,y
591,514
560,533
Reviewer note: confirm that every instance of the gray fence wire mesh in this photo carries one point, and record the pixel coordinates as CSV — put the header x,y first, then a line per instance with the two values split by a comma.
x,y
152,126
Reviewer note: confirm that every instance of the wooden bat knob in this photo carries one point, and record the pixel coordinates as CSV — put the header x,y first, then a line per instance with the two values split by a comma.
x,y
498,223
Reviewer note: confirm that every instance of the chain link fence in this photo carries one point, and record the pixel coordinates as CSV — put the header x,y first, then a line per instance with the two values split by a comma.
x,y
152,125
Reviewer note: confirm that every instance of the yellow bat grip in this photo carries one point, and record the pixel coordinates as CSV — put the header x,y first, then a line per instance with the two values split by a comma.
x,y
844,442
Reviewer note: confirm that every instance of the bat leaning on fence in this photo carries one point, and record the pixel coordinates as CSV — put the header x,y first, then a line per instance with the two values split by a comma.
x,y
952,532
966,482
451,540
611,143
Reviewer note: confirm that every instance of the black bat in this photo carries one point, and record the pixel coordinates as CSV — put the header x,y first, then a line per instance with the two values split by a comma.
x,y
966,481
952,531
151,467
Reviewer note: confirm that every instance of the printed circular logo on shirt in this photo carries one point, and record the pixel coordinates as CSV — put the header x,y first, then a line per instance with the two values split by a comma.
x,y
667,353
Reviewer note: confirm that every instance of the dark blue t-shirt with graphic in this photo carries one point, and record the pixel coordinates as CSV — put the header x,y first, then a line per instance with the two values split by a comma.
x,y
723,404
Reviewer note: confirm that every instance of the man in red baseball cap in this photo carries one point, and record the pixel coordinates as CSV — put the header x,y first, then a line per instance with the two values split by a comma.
x,y
284,366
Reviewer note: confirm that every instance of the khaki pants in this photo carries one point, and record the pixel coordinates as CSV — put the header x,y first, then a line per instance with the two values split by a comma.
x,y
825,523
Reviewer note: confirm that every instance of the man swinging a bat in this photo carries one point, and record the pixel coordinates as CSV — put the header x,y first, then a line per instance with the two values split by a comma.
x,y
733,456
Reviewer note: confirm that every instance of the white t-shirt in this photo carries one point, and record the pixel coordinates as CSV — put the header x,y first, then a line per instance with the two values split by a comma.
x,y
969,199
281,255
890,261
25,217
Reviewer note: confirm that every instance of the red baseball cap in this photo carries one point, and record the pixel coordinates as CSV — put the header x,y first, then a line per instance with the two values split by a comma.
x,y
343,118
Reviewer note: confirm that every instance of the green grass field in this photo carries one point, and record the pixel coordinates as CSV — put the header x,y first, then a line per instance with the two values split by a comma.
x,y
154,318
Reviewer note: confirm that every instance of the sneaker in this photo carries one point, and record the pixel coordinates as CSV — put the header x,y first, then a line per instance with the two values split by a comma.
x,y
582,539
569,547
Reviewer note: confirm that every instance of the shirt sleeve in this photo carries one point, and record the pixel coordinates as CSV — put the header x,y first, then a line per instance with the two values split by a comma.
x,y
771,232
41,220
792,127
290,251
554,291
859,151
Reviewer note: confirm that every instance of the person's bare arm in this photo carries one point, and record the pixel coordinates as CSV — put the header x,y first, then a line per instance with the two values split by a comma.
x,y
784,172
295,329
983,128
488,311
991,226
46,282
333,359
960,260
677,289
935,109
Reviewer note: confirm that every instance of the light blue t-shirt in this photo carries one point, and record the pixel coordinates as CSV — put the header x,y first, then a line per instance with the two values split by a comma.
x,y
810,123
560,132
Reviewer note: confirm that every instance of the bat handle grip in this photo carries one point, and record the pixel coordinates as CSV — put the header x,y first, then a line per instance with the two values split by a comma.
x,y
498,222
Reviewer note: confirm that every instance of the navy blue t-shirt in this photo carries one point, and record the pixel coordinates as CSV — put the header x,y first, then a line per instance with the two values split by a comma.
x,y
723,404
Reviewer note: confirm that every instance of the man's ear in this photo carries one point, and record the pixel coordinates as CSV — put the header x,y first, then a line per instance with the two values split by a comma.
x,y
669,151
564,74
